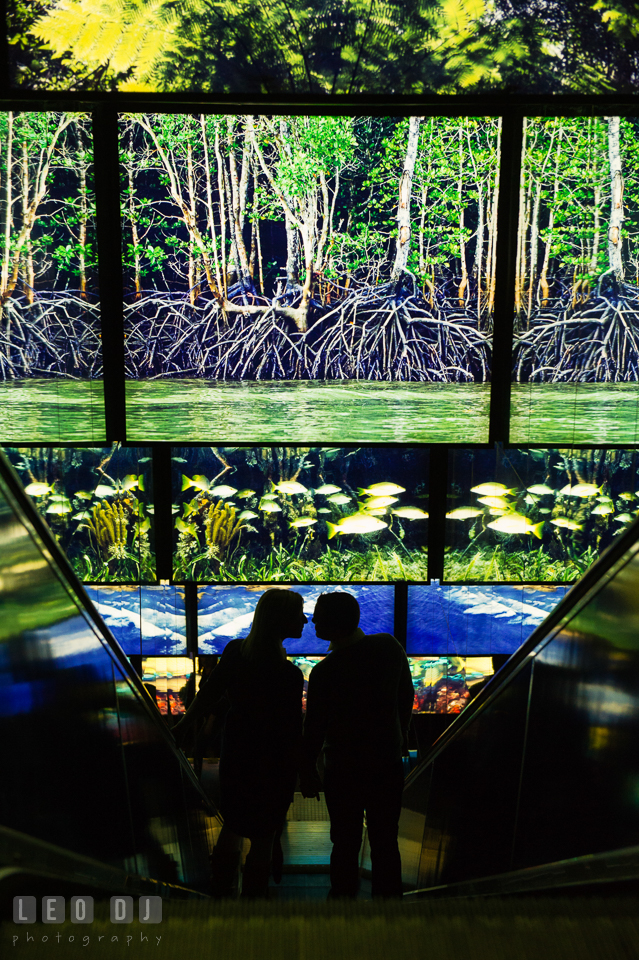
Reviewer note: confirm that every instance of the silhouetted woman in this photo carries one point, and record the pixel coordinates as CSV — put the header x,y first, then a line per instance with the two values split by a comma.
x,y
261,739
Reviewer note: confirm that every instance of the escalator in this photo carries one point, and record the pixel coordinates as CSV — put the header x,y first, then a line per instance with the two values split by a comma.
x,y
94,789
535,786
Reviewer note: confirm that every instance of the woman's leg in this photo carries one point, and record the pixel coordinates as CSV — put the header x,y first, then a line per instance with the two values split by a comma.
x,y
257,867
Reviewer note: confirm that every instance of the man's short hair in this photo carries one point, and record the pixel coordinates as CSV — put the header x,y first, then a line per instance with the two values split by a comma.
x,y
342,608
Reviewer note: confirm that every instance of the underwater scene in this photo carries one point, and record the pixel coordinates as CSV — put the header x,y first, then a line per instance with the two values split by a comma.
x,y
577,279
445,684
170,682
310,514
226,613
98,502
536,515
474,620
147,621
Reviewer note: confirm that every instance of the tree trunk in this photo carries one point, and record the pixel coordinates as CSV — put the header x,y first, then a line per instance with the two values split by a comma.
x,y
616,199
521,226
209,201
8,223
28,279
135,239
403,206
491,265
193,292
463,286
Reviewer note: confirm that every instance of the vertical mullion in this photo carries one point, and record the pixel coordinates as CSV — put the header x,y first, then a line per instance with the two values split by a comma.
x,y
507,226
437,483
109,237
163,514
190,604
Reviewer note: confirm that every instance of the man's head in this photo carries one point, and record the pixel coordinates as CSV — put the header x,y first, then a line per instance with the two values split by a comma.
x,y
336,616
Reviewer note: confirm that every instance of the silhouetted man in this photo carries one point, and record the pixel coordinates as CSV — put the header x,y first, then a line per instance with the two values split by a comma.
x,y
358,710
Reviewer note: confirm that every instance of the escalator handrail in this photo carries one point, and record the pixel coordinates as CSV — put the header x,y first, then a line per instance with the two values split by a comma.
x,y
42,537
616,555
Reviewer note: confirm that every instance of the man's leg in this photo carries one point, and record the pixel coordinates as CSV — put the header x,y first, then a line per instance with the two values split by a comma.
x,y
346,809
383,807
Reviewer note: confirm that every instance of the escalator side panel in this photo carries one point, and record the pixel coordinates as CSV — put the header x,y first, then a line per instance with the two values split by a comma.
x,y
580,785
471,808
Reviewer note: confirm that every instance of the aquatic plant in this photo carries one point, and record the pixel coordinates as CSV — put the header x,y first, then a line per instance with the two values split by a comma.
x,y
109,527
221,530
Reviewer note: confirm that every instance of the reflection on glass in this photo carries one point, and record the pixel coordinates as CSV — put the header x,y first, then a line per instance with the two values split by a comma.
x,y
50,354
98,503
447,684
225,613
171,681
535,515
475,620
150,621
577,285
362,252
300,513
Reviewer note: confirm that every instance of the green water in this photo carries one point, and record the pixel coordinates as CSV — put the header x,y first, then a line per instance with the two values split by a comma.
x,y
52,411
307,412
574,413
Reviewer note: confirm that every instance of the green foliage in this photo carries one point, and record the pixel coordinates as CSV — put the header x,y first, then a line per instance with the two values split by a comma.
x,y
325,46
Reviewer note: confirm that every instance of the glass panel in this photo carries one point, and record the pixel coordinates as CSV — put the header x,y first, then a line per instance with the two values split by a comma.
x,y
447,684
308,276
150,621
535,515
576,360
172,682
50,353
300,513
475,620
225,613
98,503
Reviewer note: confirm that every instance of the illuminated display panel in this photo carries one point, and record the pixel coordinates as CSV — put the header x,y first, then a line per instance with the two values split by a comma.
x,y
168,678
150,621
471,621
98,502
535,515
305,664
50,355
225,613
576,353
284,279
300,513
445,684
299,47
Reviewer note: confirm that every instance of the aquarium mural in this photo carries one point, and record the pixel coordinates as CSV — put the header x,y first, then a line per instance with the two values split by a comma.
x,y
447,684
226,613
170,682
147,621
468,620
98,502
50,354
318,47
536,515
317,262
300,513
576,357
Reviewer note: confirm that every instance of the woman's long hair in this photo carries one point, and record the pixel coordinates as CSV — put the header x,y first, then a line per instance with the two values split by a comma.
x,y
275,606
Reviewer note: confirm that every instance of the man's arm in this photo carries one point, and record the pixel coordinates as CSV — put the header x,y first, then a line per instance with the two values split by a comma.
x,y
315,725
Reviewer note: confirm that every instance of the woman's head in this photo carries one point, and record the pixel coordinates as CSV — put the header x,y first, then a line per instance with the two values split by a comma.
x,y
279,614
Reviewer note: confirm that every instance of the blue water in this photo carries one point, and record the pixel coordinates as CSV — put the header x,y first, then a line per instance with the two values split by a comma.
x,y
225,613
144,620
475,620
